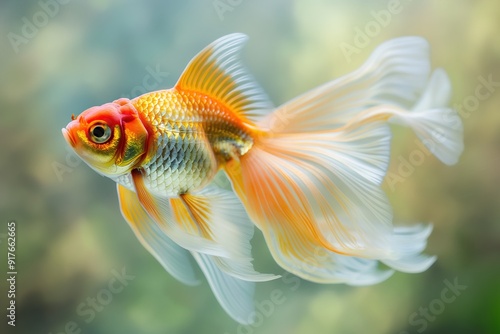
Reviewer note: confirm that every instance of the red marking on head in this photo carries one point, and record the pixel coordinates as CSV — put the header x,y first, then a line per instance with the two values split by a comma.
x,y
109,113
115,113
129,143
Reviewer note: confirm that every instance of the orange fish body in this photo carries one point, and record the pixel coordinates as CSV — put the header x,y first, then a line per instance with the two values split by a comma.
x,y
307,173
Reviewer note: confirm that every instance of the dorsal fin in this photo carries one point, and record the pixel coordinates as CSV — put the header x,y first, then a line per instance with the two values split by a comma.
x,y
217,72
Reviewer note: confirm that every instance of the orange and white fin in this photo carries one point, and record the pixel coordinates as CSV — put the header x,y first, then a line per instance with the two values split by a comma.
x,y
226,223
234,295
175,259
212,215
311,182
323,219
309,195
217,72
161,210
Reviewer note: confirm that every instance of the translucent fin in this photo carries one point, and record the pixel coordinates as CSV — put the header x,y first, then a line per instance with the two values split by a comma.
x,y
312,195
175,259
411,241
386,88
322,266
234,295
438,126
216,71
221,180
161,211
227,223
212,221
312,179
306,197
395,73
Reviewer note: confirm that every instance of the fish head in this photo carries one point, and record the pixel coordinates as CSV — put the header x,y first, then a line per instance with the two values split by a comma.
x,y
110,138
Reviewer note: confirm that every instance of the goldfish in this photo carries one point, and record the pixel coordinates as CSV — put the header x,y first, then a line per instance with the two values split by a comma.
x,y
307,174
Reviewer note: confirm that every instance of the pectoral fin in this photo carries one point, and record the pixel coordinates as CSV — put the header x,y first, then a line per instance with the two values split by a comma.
x,y
163,211
175,259
234,295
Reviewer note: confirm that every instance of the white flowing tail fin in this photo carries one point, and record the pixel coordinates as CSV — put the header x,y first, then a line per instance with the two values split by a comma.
x,y
311,182
438,126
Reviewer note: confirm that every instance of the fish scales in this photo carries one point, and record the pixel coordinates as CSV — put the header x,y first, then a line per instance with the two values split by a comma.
x,y
193,134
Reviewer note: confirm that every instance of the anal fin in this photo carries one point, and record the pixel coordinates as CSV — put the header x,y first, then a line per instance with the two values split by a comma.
x,y
220,216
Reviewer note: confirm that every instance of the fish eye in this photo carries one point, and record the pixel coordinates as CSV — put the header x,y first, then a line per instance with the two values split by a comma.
x,y
100,133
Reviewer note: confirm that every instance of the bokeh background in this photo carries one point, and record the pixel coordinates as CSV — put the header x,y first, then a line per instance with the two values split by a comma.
x,y
72,238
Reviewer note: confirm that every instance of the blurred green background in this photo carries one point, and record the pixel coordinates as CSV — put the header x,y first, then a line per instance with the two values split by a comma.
x,y
72,238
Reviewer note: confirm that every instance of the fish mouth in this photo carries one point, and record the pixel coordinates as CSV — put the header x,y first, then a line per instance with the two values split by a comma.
x,y
69,138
